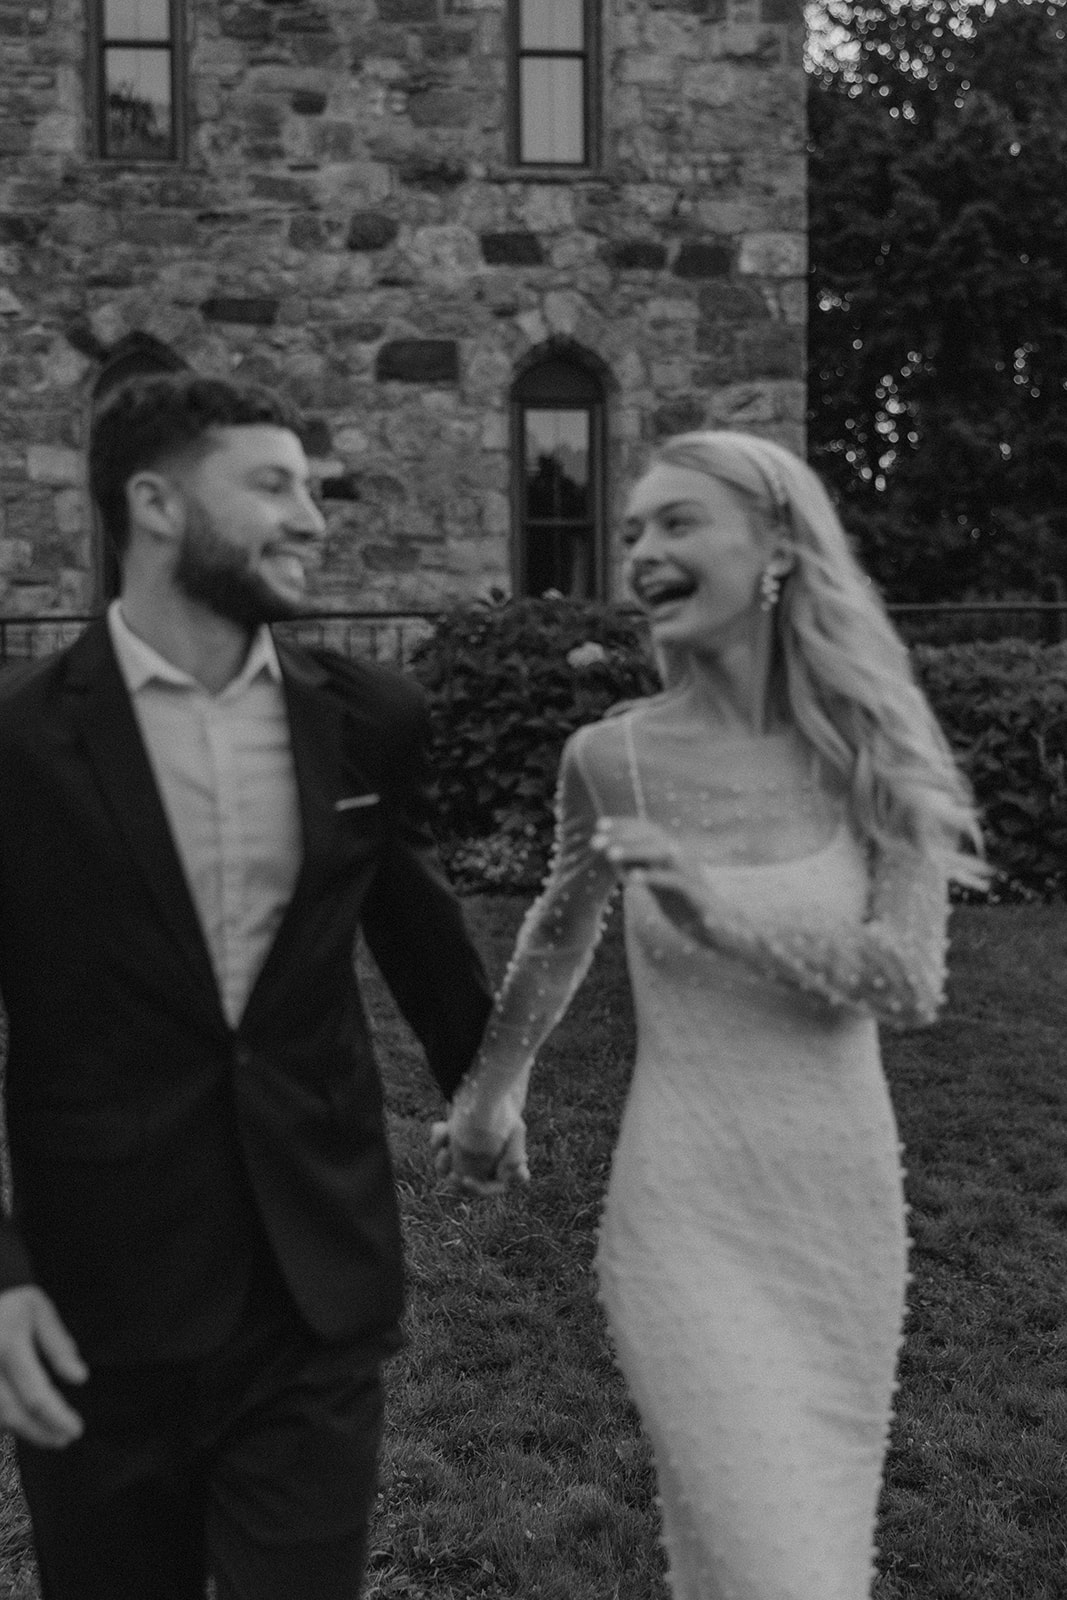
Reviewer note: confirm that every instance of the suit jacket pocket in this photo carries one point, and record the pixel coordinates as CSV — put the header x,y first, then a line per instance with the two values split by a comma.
x,y
76,1133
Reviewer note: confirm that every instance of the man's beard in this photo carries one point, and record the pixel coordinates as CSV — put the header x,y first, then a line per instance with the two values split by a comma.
x,y
219,574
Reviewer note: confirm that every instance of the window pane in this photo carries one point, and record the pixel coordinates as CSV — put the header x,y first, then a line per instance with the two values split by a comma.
x,y
552,24
139,121
559,558
552,111
557,465
137,19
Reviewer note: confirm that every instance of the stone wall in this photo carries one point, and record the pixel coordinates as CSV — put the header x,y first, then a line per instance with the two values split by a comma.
x,y
346,228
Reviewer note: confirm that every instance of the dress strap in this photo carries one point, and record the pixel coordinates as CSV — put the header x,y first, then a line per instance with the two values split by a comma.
x,y
631,757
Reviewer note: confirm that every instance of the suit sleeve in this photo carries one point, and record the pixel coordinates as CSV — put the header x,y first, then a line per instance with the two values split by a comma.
x,y
15,1267
415,929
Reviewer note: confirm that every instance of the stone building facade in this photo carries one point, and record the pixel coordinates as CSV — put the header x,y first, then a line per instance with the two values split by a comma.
x,y
344,213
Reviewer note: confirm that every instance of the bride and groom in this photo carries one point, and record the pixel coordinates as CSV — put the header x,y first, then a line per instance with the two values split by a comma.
x,y
200,1276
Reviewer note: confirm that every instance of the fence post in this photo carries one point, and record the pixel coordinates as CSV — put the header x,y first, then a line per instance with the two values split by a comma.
x,y
1054,623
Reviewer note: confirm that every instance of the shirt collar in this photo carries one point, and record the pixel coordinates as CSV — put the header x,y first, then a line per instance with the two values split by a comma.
x,y
140,664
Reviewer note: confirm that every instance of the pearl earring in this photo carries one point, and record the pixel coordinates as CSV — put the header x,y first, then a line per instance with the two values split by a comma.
x,y
770,586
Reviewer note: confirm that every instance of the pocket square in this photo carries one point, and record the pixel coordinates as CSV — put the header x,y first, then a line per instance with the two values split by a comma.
x,y
353,802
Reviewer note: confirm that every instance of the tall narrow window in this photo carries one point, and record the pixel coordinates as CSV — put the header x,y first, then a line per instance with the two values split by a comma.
x,y
558,422
137,62
553,77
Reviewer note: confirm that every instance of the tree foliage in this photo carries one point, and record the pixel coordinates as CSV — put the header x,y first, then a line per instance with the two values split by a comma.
x,y
938,377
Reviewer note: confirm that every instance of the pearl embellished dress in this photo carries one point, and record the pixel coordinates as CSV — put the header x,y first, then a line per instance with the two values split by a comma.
x,y
752,1253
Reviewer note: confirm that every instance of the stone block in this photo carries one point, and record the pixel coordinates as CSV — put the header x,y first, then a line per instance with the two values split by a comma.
x,y
496,514
358,330
407,10
371,230
315,436
281,190
446,252
636,255
773,350
739,405
444,44
516,249
334,141
421,170
315,49
58,133
308,102
10,304
440,108
732,302
51,463
71,512
305,19
678,416
773,255
306,232
714,83
704,258
259,311
345,486
400,555
251,22
788,11
745,41
649,67
155,230
20,227
564,310
418,361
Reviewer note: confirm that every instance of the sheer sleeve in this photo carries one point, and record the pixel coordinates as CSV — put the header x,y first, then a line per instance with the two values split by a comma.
x,y
891,964
554,949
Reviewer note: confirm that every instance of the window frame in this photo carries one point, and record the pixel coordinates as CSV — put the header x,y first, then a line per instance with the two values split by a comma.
x,y
99,45
595,407
591,92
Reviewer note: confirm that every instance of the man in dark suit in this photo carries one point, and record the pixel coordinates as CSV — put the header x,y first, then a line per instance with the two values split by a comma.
x,y
201,1275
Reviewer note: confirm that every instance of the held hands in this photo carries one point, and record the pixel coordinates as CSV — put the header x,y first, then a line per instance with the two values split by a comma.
x,y
34,1347
476,1172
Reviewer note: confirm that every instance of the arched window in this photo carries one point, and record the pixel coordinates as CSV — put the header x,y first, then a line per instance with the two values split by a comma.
x,y
135,356
558,490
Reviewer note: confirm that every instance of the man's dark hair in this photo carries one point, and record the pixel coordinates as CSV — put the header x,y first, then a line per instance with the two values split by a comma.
x,y
152,420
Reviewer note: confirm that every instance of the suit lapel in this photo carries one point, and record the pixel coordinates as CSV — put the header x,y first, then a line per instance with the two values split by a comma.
x,y
104,717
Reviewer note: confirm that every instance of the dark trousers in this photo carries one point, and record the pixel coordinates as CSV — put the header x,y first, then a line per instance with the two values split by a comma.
x,y
257,1463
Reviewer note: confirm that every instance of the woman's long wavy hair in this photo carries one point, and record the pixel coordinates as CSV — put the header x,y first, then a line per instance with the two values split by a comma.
x,y
842,666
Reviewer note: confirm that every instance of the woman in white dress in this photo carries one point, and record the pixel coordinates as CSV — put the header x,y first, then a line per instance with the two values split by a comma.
x,y
786,818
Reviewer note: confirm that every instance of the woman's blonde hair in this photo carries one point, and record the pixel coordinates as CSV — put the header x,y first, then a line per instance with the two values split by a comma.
x,y
846,673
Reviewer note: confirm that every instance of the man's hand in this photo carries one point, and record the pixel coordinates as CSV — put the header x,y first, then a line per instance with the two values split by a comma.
x,y
34,1346
474,1172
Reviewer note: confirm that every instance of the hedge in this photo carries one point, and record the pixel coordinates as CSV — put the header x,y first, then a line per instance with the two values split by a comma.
x,y
508,683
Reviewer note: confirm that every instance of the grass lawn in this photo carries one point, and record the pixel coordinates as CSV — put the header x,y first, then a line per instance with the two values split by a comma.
x,y
514,1466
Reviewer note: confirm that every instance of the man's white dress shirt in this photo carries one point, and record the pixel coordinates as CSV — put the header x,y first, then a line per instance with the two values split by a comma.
x,y
224,768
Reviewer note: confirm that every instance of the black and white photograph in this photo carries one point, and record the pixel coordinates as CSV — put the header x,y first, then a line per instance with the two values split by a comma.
x,y
533,800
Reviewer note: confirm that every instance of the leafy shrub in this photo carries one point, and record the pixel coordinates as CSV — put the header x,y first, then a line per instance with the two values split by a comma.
x,y
507,685
1003,707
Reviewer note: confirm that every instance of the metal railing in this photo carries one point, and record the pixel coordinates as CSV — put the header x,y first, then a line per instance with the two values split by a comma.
x,y
388,636
391,636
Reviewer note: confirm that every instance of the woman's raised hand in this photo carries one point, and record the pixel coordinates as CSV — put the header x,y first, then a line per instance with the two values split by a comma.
x,y
643,850
633,844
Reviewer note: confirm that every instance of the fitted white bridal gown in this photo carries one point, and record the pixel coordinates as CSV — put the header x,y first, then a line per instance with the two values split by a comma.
x,y
752,1252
